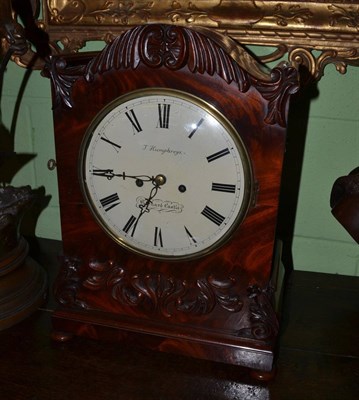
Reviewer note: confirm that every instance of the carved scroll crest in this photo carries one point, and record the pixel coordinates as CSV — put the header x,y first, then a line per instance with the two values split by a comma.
x,y
175,47
169,46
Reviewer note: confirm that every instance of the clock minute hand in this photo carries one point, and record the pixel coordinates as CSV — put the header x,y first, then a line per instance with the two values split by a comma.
x,y
158,181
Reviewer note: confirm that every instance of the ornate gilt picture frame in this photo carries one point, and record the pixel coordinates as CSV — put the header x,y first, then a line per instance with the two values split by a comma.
x,y
312,33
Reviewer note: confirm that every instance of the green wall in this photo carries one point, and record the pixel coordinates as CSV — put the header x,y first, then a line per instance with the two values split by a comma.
x,y
331,149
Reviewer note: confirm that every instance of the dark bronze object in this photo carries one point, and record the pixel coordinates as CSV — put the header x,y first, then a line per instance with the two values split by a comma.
x,y
344,201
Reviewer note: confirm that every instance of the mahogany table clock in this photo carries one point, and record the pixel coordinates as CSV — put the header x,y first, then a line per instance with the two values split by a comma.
x,y
169,151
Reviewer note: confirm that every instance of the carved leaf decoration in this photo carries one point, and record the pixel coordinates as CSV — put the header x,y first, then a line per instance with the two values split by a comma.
x,y
284,83
189,14
283,15
230,302
208,57
104,271
63,79
203,303
68,283
350,16
121,53
294,14
108,11
213,292
162,294
159,291
263,322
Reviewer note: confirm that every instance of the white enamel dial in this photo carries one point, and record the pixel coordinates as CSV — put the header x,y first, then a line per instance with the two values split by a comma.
x,y
165,174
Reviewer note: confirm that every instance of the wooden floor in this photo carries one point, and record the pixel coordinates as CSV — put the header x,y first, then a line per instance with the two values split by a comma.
x,y
318,355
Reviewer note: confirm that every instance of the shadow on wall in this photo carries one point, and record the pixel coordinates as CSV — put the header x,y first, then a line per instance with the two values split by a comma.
x,y
10,161
293,161
18,36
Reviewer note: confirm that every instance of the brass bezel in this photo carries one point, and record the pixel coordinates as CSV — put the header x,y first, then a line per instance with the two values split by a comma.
x,y
208,108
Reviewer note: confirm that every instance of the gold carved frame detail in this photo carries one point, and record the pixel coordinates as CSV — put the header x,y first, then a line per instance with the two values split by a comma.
x,y
306,32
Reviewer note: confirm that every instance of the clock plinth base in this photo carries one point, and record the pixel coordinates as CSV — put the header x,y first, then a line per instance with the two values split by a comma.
x,y
186,341
62,337
263,376
22,286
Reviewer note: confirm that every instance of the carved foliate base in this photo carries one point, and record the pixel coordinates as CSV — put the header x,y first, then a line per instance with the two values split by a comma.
x,y
210,318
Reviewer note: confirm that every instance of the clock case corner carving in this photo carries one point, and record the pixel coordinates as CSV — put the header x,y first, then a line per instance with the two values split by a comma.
x,y
218,307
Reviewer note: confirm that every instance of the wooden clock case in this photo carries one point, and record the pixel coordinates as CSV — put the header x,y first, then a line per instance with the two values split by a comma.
x,y
219,307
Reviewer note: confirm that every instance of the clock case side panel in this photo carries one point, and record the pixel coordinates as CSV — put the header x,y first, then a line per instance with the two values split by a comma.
x,y
226,294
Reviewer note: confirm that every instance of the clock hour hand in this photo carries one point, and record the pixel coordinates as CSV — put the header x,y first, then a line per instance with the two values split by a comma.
x,y
109,174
